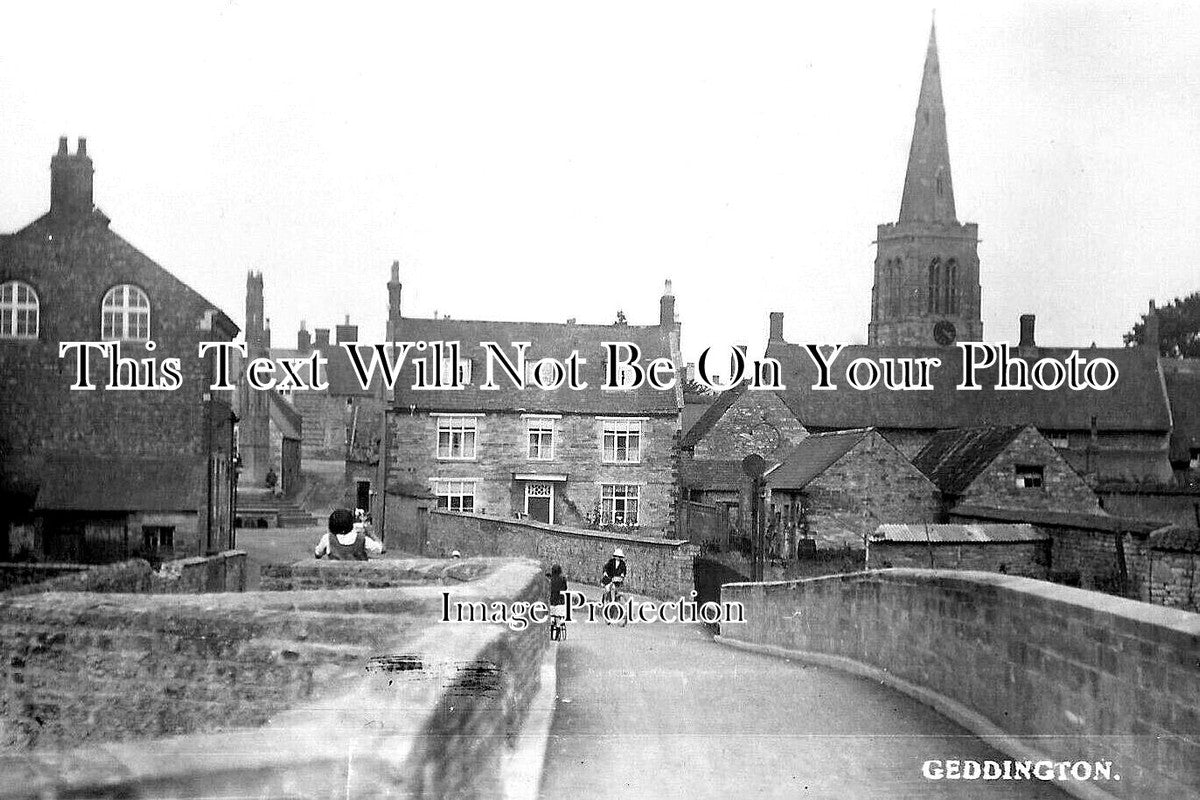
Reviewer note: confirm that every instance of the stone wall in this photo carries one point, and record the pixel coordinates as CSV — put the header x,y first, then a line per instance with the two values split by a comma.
x,y
872,484
757,422
1030,559
1174,569
657,567
15,575
1053,672
268,694
223,572
501,448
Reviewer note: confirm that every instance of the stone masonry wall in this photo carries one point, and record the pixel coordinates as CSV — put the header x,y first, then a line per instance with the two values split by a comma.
x,y
872,484
259,685
1072,674
1062,488
657,567
1174,579
223,572
502,450
757,422
1029,559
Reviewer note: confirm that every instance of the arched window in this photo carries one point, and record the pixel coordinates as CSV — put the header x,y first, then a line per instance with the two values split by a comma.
x,y
952,286
18,311
933,295
125,314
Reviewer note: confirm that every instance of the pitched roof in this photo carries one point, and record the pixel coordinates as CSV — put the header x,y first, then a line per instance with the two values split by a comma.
x,y
812,456
1179,540
93,229
548,339
712,415
1138,401
121,483
1182,378
953,459
957,534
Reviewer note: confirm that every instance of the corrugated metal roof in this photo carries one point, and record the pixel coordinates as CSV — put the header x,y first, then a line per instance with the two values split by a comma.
x,y
957,534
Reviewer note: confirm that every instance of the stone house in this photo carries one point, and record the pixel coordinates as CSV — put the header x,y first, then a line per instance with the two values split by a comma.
x,y
739,422
586,457
833,490
1004,467
95,475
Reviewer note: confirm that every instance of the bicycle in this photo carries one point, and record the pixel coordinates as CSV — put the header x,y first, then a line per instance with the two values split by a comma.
x,y
558,626
612,599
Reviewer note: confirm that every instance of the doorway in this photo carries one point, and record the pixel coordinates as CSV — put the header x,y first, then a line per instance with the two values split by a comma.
x,y
362,497
539,502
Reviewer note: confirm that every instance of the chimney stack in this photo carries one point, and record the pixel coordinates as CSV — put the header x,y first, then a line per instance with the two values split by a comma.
x,y
304,339
776,334
1027,325
666,307
71,181
394,286
347,332
1150,337
322,340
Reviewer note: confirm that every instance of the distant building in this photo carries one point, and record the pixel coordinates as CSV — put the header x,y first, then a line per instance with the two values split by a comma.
x,y
601,457
833,490
739,422
1004,467
100,475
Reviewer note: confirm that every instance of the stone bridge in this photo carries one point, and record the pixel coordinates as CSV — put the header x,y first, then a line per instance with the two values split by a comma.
x,y
342,680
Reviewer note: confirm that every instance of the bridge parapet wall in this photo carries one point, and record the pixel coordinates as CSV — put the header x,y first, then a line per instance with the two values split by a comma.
x,y
657,567
1063,673
339,692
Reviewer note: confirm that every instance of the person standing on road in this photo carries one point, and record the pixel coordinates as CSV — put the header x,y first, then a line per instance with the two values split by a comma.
x,y
344,542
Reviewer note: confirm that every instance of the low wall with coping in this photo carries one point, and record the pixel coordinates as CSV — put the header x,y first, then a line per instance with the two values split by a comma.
x,y
334,692
222,572
1040,670
657,567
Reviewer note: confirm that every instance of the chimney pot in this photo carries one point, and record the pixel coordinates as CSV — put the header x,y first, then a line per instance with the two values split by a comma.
x,y
62,146
81,150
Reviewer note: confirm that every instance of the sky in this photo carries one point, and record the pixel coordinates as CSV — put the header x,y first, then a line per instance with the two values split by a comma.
x,y
546,161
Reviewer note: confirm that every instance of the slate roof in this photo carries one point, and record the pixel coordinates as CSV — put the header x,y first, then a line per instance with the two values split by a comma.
x,y
121,483
954,459
812,456
1138,402
548,339
711,415
984,533
1182,378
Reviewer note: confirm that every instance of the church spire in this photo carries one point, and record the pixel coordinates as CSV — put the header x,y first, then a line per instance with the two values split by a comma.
x,y
928,190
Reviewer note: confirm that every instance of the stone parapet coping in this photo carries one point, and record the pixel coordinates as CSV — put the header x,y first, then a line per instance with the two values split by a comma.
x,y
385,736
567,531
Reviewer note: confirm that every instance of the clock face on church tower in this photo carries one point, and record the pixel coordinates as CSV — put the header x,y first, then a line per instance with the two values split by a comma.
x,y
944,332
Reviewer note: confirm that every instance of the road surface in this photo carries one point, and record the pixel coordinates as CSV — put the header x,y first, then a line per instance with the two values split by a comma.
x,y
662,711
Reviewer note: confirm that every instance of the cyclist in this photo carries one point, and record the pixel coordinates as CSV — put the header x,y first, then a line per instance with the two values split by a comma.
x,y
614,574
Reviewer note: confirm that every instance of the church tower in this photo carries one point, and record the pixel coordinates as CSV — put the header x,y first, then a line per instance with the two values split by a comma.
x,y
926,288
